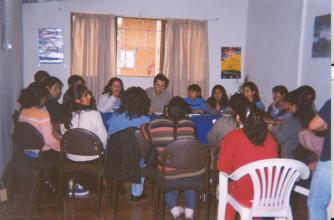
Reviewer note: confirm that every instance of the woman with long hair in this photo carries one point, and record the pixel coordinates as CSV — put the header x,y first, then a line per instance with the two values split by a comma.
x,y
110,98
218,101
251,91
251,142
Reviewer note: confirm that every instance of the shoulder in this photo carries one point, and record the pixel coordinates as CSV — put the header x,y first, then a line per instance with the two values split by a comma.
x,y
105,96
38,115
186,122
90,113
149,90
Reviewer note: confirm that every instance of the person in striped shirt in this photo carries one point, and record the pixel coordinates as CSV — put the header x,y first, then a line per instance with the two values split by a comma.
x,y
163,131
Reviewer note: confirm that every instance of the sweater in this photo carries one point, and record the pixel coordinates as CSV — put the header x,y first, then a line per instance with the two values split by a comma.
x,y
107,103
197,104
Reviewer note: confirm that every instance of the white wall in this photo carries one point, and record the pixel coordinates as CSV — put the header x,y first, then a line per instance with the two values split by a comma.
x,y
315,71
272,45
11,62
229,30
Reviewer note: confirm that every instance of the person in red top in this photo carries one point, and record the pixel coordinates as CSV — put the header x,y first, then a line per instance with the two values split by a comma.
x,y
249,143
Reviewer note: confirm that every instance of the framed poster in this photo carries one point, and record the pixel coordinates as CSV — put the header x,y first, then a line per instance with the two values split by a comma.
x,y
50,46
231,62
322,36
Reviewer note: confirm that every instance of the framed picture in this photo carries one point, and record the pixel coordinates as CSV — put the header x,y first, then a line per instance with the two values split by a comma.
x,y
322,36
50,46
231,62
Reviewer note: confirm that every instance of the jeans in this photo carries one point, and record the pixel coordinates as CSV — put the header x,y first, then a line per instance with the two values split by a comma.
x,y
172,196
320,191
138,188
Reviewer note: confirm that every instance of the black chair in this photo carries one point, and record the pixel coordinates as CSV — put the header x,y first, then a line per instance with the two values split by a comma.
x,y
191,159
27,137
148,173
81,142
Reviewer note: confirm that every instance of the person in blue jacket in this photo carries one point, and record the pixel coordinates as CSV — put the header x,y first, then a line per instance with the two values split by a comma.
x,y
195,100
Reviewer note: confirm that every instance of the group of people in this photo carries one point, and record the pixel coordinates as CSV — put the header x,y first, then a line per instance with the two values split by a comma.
x,y
244,133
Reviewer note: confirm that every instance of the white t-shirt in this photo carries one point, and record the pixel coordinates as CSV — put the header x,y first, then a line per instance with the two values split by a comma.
x,y
107,103
90,120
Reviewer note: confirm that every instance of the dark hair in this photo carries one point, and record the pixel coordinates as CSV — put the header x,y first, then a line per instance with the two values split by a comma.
x,y
254,88
253,125
135,102
305,111
74,79
32,95
161,77
177,109
308,92
75,92
236,100
41,75
281,90
109,84
223,101
52,80
196,88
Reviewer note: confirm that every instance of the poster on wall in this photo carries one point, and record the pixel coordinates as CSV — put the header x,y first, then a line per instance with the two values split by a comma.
x,y
231,62
322,36
50,46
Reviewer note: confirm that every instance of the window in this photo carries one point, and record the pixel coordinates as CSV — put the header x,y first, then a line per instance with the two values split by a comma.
x,y
139,46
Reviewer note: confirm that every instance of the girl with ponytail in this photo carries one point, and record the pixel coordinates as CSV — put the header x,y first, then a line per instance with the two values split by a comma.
x,y
249,143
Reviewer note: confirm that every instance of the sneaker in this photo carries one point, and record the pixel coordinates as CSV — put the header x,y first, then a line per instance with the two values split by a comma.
x,y
177,211
78,191
188,213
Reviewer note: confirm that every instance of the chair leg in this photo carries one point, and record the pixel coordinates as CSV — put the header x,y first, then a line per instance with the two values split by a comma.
x,y
197,206
162,204
60,193
73,187
114,199
207,205
39,186
99,186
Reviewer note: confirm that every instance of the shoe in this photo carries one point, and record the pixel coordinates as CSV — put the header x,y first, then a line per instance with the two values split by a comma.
x,y
137,198
78,191
177,211
188,213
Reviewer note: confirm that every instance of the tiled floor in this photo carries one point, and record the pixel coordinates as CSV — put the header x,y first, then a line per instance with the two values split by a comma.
x,y
23,205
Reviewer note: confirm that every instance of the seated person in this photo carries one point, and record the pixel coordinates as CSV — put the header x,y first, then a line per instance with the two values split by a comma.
x,y
195,100
250,90
226,123
75,80
158,94
244,145
79,114
309,93
286,133
110,98
135,105
40,76
54,86
164,131
277,110
218,102
32,100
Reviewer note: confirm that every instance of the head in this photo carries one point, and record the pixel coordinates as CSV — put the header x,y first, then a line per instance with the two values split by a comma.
x,y
34,95
236,100
40,76
279,94
160,83
194,91
135,102
114,87
218,96
300,107
75,80
79,99
308,92
177,109
54,86
253,125
250,90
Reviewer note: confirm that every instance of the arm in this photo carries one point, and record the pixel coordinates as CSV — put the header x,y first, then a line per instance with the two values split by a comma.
x,y
50,141
106,103
100,130
317,124
226,154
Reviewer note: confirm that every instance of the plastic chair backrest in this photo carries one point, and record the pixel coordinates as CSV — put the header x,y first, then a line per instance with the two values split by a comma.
x,y
187,154
26,136
273,180
80,141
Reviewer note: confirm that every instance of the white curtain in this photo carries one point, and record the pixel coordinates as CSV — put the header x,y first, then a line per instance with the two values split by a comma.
x,y
93,49
186,58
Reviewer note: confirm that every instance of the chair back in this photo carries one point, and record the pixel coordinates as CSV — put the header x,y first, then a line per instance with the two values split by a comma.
x,y
273,180
188,156
80,141
26,136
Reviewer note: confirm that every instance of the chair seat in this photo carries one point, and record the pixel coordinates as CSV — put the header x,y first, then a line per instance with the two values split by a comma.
x,y
192,183
24,162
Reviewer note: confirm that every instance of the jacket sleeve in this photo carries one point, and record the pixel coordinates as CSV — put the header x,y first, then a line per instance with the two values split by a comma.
x,y
100,129
106,103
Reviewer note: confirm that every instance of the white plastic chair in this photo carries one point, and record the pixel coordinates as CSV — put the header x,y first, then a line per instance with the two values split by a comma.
x,y
271,199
